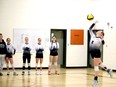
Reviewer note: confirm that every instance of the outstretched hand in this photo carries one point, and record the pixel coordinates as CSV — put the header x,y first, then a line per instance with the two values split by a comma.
x,y
96,22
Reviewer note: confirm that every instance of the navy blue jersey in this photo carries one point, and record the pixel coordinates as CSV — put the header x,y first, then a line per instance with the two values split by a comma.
x,y
3,49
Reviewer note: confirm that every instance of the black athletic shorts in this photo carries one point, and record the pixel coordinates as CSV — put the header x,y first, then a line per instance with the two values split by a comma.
x,y
53,53
9,55
39,55
95,53
26,57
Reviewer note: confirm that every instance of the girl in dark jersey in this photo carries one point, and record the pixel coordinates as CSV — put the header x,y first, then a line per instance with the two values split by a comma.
x,y
54,46
3,52
96,42
39,55
26,55
9,56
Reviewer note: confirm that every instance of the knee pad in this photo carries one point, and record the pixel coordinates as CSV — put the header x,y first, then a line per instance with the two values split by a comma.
x,y
40,64
7,64
50,63
96,68
36,64
28,64
23,64
55,63
12,65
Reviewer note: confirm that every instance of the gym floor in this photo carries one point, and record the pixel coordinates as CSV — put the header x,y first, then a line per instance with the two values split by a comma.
x,y
79,77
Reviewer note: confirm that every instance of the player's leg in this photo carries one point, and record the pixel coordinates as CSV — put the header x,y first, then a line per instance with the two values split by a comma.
x,y
41,61
12,64
24,61
95,54
2,60
29,65
50,63
96,69
37,60
105,68
7,65
1,65
55,64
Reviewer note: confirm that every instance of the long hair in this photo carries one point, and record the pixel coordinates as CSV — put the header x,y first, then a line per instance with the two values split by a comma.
x,y
55,41
55,37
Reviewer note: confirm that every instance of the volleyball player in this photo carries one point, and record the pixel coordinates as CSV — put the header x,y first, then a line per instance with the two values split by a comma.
x,y
26,55
39,55
96,42
54,46
9,56
3,52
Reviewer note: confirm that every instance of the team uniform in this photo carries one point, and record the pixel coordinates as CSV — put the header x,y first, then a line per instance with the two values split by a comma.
x,y
39,51
10,50
26,53
3,52
26,56
95,44
54,48
39,54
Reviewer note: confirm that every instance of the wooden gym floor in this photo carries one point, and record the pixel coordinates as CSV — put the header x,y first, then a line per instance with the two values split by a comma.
x,y
80,77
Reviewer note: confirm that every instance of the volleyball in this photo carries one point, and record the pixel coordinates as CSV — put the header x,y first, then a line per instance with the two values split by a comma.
x,y
90,17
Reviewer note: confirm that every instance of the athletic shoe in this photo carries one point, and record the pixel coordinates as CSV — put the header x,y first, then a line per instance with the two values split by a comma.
x,y
15,74
1,74
28,72
56,72
23,73
49,73
40,72
110,72
36,73
8,73
95,82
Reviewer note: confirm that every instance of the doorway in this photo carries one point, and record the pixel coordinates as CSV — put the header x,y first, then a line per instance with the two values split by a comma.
x,y
61,35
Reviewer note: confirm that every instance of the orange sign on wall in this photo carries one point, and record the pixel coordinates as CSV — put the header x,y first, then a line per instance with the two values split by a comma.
x,y
77,37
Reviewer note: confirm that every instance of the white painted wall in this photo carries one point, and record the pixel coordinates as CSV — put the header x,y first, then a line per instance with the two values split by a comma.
x,y
109,49
47,14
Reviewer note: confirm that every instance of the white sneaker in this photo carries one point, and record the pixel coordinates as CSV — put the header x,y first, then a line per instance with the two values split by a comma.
x,y
15,74
36,73
95,82
40,72
110,72
28,72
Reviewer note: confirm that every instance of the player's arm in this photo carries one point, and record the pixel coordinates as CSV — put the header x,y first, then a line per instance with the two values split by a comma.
x,y
58,46
50,46
91,27
14,49
5,46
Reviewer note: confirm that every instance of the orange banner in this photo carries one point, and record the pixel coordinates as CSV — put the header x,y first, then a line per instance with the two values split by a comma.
x,y
77,37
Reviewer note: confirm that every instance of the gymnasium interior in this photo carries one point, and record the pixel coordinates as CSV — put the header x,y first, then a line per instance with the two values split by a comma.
x,y
67,20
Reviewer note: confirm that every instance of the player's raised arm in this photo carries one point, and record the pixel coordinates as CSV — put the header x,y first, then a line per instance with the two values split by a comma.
x,y
91,27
